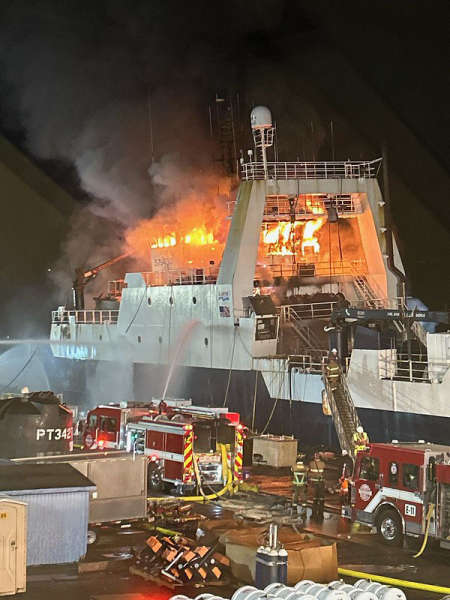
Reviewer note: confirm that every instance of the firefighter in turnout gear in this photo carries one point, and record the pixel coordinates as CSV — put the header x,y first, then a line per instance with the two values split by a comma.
x,y
300,485
316,470
333,370
360,439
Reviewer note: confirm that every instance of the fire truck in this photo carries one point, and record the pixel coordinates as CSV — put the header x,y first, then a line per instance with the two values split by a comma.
x,y
183,443
403,491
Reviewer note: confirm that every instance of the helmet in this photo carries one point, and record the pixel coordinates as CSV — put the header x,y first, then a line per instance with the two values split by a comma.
x,y
344,453
334,351
359,429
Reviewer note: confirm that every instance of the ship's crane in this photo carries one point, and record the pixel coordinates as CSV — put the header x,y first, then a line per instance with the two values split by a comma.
x,y
82,278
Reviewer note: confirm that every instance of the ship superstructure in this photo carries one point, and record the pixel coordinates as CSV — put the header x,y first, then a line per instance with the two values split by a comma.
x,y
250,330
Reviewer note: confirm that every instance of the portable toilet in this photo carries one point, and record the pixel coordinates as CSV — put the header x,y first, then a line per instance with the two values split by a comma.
x,y
13,546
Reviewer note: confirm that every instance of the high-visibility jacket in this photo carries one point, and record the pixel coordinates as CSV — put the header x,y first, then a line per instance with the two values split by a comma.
x,y
360,439
332,369
316,469
299,473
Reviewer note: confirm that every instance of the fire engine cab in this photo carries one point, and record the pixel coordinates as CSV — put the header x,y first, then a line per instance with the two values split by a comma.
x,y
105,427
397,488
184,443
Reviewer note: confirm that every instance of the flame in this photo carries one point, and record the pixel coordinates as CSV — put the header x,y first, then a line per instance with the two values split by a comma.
x,y
282,238
309,239
190,233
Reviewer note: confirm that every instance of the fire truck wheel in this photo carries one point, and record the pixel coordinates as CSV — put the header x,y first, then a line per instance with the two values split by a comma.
x,y
154,480
93,536
389,528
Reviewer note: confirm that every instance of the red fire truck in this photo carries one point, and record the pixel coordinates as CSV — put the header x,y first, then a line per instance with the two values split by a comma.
x,y
400,489
105,427
174,436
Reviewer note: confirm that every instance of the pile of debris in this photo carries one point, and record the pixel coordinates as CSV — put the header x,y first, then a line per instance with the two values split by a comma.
x,y
175,515
173,560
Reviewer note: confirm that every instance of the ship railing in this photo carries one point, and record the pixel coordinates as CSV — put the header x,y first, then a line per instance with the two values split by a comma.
x,y
180,277
337,268
315,310
88,317
403,367
278,208
306,363
311,170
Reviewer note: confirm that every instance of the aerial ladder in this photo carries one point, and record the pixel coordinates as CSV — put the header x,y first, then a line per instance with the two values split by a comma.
x,y
82,278
342,408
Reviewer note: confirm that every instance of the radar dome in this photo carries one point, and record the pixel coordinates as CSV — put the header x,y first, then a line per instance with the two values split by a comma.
x,y
261,118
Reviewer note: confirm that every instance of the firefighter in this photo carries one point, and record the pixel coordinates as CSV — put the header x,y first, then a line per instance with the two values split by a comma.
x,y
316,470
333,371
300,485
346,469
360,439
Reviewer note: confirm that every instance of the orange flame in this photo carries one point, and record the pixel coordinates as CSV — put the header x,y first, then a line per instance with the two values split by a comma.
x,y
282,238
309,238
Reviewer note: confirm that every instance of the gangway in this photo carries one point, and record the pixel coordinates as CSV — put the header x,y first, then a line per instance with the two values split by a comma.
x,y
343,410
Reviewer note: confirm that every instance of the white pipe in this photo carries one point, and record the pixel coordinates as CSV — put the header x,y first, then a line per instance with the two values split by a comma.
x,y
382,592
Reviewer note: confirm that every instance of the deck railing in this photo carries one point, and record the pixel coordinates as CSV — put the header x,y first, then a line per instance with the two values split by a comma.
x,y
91,317
311,170
180,277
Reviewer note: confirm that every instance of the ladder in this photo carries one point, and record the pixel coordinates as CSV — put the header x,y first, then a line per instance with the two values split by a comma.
x,y
343,410
365,292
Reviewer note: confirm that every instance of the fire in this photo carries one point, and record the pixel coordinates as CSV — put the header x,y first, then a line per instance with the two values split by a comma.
x,y
279,238
282,238
188,234
309,238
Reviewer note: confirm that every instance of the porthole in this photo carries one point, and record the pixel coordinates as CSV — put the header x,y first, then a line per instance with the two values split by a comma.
x,y
149,301
171,300
206,341
139,339
194,300
100,337
160,339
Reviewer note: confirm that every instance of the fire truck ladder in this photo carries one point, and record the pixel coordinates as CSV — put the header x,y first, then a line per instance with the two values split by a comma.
x,y
343,410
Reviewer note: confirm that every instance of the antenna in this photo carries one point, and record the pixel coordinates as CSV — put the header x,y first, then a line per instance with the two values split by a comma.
x,y
263,130
152,149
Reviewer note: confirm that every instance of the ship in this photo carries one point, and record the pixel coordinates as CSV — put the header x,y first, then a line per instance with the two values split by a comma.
x,y
250,329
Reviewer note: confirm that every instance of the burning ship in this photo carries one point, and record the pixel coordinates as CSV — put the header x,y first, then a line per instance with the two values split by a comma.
x,y
309,263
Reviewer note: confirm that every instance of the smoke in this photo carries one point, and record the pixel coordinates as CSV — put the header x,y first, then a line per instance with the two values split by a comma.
x,y
83,80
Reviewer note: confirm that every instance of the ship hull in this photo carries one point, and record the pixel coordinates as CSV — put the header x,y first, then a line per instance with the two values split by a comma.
x,y
208,387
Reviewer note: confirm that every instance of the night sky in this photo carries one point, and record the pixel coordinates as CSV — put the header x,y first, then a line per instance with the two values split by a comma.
x,y
77,78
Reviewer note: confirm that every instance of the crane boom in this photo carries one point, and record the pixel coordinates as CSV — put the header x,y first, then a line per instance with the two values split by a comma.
x,y
82,278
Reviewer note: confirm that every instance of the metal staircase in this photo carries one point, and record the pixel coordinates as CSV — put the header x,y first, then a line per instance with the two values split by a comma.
x,y
343,411
305,332
365,292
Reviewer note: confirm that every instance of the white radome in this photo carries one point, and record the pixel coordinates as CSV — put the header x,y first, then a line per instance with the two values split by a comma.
x,y
261,118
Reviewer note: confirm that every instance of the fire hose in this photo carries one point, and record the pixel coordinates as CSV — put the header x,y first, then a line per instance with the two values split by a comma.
x,y
228,487
425,539
397,582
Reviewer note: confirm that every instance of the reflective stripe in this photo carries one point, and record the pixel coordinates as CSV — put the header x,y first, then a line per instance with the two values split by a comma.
x,y
385,493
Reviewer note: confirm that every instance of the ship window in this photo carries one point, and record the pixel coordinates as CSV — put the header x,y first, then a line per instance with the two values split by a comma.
x,y
206,341
149,301
100,337
370,468
411,476
139,339
393,473
171,300
194,300
160,339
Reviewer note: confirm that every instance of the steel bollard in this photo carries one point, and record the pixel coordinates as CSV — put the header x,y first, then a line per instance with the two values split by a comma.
x,y
382,592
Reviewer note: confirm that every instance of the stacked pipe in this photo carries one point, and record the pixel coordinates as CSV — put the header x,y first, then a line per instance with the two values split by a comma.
x,y
178,560
308,590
